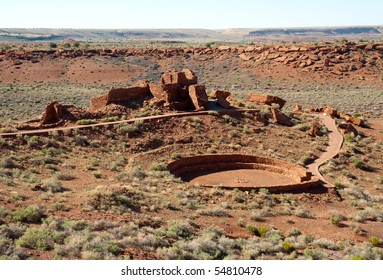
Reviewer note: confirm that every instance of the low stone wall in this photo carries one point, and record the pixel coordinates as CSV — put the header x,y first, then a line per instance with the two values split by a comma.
x,y
302,178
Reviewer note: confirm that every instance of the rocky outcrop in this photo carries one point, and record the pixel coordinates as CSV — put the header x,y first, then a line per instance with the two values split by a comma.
x,y
281,118
266,99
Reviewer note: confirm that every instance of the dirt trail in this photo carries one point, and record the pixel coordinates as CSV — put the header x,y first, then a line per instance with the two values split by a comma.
x,y
334,145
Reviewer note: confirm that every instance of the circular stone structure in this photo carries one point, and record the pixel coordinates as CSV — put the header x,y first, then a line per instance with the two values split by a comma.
x,y
244,172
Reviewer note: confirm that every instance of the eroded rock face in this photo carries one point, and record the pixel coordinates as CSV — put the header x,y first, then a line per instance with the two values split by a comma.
x,y
52,114
198,96
266,99
281,118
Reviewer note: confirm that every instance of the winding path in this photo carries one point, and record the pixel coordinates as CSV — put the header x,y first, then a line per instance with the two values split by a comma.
x,y
334,145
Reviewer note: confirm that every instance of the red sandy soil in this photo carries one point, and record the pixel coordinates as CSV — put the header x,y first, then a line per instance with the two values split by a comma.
x,y
239,178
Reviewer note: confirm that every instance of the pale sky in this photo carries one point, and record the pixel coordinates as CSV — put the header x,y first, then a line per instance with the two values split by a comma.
x,y
213,14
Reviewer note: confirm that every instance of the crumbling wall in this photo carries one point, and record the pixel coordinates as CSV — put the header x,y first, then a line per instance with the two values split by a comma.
x,y
236,161
98,102
52,114
138,92
303,179
266,99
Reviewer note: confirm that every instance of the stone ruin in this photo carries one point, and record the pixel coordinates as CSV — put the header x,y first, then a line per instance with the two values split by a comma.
x,y
300,178
177,91
56,114
266,99
137,93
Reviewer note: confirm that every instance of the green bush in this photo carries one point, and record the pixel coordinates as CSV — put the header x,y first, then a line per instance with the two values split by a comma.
x,y
337,218
37,238
97,174
86,122
158,166
261,231
288,247
53,185
30,214
376,241
52,45
7,162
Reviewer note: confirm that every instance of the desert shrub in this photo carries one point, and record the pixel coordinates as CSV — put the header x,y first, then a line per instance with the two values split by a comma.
x,y
178,156
86,122
376,241
138,173
288,247
158,166
337,218
314,254
258,216
80,140
307,158
303,127
214,212
7,162
53,185
361,164
213,113
129,129
326,244
110,119
52,45
65,177
97,174
357,229
34,141
30,214
293,232
178,230
118,200
303,213
258,231
40,238
57,206
349,137
211,245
